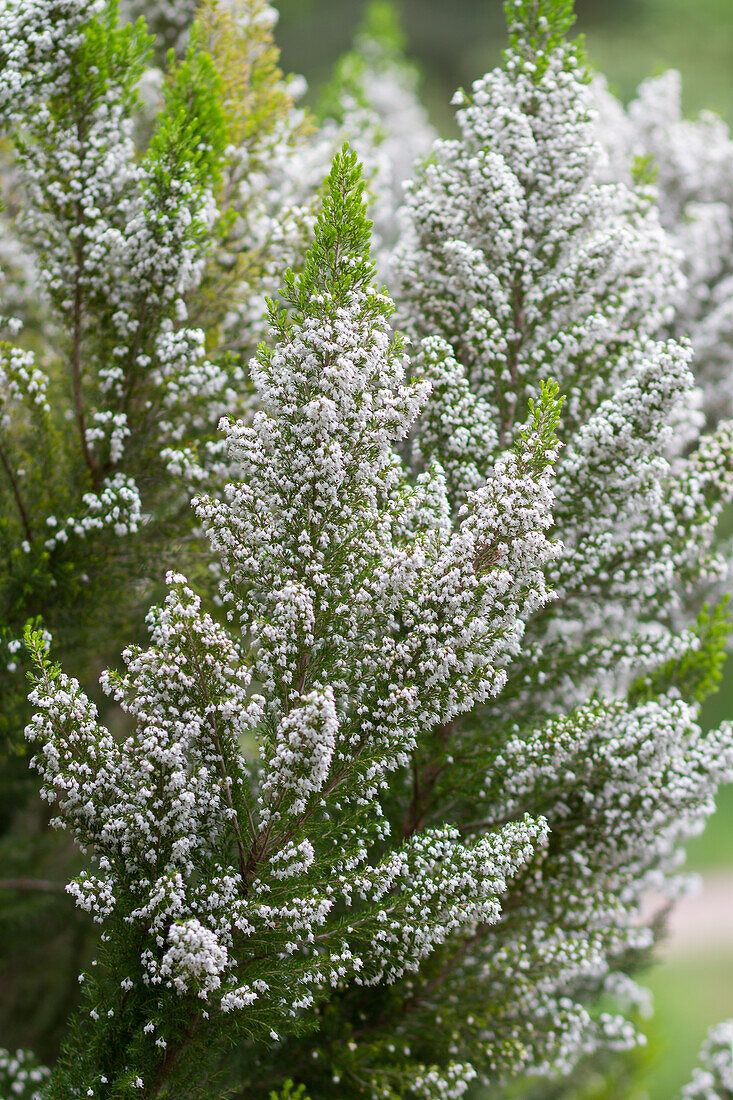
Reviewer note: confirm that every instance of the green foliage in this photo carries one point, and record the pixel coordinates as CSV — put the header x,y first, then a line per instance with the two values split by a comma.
x,y
697,673
113,55
544,419
289,1091
191,129
252,90
342,226
12,714
539,27
644,170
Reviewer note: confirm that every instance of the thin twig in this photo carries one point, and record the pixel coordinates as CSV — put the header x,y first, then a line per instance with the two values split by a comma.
x,y
76,372
16,494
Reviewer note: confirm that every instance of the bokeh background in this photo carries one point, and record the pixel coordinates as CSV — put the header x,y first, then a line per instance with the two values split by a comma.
x,y
455,41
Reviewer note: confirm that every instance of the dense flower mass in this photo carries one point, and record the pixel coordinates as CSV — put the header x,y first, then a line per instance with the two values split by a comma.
x,y
370,615
20,1075
416,731
713,1079
688,165
111,229
528,265
520,262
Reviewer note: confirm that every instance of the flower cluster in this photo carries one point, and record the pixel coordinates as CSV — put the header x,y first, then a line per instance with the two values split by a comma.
x,y
687,165
20,1075
713,1080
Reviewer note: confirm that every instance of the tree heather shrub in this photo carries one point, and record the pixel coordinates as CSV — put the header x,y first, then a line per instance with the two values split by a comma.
x,y
415,733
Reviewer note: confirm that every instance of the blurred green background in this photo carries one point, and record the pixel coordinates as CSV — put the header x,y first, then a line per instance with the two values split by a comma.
x,y
457,40
454,41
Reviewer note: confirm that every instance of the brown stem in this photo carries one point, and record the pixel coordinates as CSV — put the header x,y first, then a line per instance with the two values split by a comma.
x,y
171,1057
518,320
423,784
16,493
76,372
222,765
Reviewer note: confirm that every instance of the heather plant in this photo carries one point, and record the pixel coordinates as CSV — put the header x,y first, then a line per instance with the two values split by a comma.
x,y
124,219
378,821
713,1078
518,263
100,373
688,165
243,864
95,396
